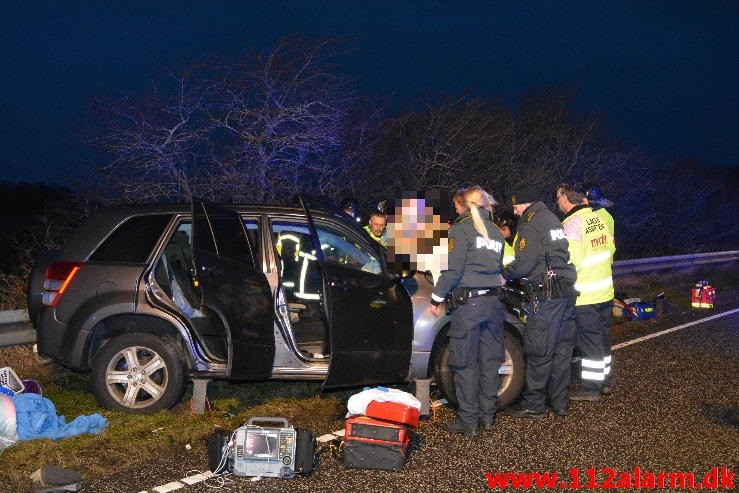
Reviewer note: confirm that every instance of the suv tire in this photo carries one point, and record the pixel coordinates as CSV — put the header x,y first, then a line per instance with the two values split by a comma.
x,y
511,384
138,372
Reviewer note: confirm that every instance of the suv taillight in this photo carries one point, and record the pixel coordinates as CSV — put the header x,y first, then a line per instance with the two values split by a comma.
x,y
58,277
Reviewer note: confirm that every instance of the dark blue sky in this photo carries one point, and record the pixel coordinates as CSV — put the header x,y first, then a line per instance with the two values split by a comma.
x,y
664,75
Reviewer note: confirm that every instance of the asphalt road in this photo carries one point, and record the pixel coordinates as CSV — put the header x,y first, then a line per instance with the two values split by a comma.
x,y
674,408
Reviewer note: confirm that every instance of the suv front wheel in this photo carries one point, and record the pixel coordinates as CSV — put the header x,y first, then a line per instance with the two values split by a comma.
x,y
512,372
138,372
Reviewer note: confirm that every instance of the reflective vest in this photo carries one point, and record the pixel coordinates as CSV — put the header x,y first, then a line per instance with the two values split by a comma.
x,y
591,250
382,239
509,252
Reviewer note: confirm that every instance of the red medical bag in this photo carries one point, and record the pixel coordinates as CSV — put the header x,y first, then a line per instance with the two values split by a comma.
x,y
393,411
702,295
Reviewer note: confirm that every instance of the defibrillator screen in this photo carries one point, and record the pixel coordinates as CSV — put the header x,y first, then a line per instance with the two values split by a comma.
x,y
261,446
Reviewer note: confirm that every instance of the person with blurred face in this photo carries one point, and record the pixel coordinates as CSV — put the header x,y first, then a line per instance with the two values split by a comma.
x,y
417,234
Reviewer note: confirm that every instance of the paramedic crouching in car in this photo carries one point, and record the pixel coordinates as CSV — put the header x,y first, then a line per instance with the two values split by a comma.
x,y
542,263
476,333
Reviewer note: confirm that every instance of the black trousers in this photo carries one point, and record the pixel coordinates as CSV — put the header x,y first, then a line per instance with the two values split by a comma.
x,y
548,345
593,339
475,355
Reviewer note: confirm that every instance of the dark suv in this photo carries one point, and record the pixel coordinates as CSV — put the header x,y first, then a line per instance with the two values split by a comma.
x,y
149,297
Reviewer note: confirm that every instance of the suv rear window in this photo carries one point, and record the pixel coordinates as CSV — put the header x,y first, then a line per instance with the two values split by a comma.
x,y
133,240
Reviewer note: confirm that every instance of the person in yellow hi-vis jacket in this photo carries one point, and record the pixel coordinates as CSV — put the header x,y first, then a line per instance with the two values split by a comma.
x,y
591,251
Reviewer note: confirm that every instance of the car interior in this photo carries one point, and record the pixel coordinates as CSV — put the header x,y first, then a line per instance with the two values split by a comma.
x,y
302,283
300,276
174,274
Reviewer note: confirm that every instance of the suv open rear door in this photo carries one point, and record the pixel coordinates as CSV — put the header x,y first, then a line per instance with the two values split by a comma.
x,y
370,320
232,287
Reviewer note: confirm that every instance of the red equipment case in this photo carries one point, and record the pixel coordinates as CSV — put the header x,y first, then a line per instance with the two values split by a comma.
x,y
363,455
375,444
393,411
366,429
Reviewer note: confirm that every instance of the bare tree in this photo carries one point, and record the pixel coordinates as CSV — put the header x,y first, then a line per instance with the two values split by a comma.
x,y
445,144
258,130
155,144
281,120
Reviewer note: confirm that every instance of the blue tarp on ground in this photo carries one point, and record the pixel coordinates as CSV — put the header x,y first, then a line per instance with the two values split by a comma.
x,y
36,418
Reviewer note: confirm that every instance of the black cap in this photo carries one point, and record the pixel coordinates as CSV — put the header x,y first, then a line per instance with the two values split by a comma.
x,y
524,194
506,218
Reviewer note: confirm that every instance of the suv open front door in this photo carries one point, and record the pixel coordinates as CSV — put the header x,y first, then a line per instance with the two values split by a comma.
x,y
369,314
232,287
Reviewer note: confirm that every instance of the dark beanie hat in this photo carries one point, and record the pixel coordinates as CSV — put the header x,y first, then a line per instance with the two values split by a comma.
x,y
524,194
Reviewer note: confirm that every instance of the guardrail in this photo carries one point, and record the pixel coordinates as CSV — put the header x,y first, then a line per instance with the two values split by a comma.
x,y
639,265
15,327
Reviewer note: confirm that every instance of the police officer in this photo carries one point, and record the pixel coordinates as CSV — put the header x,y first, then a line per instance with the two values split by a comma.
x,y
542,262
591,251
476,333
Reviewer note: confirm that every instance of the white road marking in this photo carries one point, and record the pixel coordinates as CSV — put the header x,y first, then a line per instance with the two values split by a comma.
x,y
326,438
673,329
196,478
175,485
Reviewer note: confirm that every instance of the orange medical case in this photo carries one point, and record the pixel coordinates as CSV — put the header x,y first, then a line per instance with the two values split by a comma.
x,y
393,411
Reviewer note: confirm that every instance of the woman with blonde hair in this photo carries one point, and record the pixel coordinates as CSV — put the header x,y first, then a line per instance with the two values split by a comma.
x,y
476,333
458,201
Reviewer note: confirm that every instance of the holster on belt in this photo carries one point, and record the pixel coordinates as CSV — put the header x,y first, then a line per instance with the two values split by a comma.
x,y
549,290
456,297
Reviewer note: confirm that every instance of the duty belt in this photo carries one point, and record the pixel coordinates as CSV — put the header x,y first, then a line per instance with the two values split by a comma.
x,y
475,292
459,296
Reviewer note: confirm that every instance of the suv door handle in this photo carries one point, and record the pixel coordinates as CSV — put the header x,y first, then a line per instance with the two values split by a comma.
x,y
341,284
213,271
